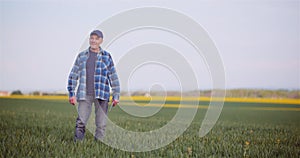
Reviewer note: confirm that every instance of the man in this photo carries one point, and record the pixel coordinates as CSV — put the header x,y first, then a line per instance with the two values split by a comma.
x,y
94,68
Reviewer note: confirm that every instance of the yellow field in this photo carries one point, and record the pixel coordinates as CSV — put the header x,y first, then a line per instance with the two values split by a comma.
x,y
35,97
172,98
273,108
248,100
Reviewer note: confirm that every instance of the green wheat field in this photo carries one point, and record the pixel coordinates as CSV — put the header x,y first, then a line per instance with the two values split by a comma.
x,y
45,128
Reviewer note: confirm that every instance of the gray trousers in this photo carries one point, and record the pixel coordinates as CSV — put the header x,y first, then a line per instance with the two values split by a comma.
x,y
84,111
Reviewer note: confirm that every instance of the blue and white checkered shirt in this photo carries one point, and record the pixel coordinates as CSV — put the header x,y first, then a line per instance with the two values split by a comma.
x,y
105,76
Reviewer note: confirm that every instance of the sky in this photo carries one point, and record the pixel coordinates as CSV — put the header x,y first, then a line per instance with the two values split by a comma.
x,y
258,42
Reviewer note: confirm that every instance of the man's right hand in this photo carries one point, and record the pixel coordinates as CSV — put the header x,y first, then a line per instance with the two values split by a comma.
x,y
72,100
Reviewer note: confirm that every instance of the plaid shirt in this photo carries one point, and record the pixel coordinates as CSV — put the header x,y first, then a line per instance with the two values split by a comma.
x,y
105,75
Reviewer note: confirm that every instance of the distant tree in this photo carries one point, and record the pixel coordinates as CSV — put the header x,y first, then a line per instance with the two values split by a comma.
x,y
36,93
17,92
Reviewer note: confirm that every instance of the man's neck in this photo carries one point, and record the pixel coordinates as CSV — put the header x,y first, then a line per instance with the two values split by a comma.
x,y
95,50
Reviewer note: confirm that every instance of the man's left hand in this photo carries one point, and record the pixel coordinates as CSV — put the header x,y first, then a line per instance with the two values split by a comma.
x,y
115,102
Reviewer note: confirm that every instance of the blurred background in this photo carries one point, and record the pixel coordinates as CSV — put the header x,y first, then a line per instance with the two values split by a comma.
x,y
258,41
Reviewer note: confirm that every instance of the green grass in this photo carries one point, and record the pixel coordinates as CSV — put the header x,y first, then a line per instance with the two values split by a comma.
x,y
45,128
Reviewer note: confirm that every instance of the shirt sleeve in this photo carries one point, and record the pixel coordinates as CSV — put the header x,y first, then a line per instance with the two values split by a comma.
x,y
114,80
73,78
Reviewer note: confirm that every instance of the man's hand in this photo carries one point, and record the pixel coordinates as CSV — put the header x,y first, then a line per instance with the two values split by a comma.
x,y
72,100
115,102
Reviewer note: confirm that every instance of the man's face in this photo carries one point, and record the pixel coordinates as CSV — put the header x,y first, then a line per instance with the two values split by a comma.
x,y
95,41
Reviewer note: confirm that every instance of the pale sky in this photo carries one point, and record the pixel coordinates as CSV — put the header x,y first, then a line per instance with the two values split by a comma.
x,y
258,41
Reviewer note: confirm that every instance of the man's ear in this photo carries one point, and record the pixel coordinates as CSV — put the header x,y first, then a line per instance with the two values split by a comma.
x,y
101,40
